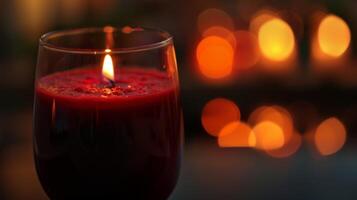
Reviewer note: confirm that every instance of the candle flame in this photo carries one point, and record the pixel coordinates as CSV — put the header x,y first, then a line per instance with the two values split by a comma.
x,y
108,68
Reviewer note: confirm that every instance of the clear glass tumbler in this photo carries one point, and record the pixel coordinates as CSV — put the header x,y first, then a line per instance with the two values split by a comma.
x,y
107,114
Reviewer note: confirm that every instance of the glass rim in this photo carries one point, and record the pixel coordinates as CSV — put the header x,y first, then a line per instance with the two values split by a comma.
x,y
43,41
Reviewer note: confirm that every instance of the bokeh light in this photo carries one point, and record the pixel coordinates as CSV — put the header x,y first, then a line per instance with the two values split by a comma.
x,y
18,174
333,36
268,135
215,57
288,149
276,40
236,134
217,113
214,17
330,136
221,32
260,18
247,50
34,17
277,114
255,115
72,11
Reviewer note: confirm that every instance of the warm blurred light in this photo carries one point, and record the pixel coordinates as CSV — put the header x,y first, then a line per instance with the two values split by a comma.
x,y
18,174
268,135
215,57
254,116
53,113
276,114
217,113
127,29
220,32
276,40
236,134
260,18
214,17
171,65
109,38
109,29
330,136
108,68
286,123
247,50
333,36
289,148
33,17
72,11
102,8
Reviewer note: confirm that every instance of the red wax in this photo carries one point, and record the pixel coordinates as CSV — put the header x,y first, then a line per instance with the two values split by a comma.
x,y
97,141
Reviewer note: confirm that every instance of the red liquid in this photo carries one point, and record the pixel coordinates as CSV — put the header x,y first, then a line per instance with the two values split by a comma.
x,y
92,141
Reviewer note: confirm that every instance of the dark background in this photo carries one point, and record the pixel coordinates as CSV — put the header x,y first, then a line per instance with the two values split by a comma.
x,y
208,171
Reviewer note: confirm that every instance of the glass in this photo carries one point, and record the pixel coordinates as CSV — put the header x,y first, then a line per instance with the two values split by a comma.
x,y
97,137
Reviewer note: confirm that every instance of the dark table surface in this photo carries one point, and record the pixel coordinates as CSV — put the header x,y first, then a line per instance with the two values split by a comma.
x,y
209,172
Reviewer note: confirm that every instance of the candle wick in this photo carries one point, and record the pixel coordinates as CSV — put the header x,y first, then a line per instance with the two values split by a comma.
x,y
112,83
